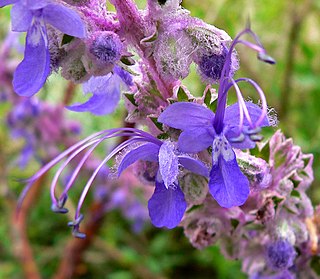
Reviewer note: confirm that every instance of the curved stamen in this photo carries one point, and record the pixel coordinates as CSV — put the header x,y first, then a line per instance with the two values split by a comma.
x,y
111,133
105,160
84,158
242,106
63,166
225,77
59,206
262,98
253,46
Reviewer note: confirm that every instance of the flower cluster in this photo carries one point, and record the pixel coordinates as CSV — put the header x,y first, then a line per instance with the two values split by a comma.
x,y
273,232
196,152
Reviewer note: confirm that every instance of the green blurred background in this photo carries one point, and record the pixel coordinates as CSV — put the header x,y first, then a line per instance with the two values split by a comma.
x,y
290,31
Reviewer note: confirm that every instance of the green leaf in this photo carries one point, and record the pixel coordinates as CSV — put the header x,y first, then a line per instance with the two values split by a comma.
x,y
130,97
151,38
195,207
234,223
66,39
295,193
315,264
127,60
276,201
182,95
158,124
163,136
207,98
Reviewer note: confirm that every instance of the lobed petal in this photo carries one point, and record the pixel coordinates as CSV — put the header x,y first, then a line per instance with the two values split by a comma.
x,y
98,104
195,140
232,115
145,152
8,2
34,69
106,96
36,5
21,18
227,184
166,206
231,120
124,75
64,19
186,116
193,165
97,85
246,143
168,164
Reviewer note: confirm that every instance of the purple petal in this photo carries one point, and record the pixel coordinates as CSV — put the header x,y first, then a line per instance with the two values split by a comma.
x,y
99,104
97,85
231,120
195,140
146,152
193,165
64,19
106,96
21,18
8,2
36,5
168,164
227,184
246,143
166,206
232,115
185,116
34,69
124,75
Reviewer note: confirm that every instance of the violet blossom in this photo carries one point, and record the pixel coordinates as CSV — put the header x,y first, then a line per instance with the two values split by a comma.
x,y
233,126
106,92
257,207
166,206
31,17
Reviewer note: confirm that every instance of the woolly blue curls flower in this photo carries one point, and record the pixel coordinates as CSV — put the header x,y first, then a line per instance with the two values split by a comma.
x,y
32,16
106,92
235,126
167,204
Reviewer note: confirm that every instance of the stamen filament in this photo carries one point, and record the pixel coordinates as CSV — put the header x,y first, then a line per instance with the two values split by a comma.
x,y
105,160
262,98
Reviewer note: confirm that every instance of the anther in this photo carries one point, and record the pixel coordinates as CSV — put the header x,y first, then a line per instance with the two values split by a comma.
x,y
253,131
59,207
56,209
256,138
76,222
266,58
240,138
77,234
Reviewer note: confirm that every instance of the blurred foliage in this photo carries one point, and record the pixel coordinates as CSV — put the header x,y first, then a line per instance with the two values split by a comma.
x,y
290,32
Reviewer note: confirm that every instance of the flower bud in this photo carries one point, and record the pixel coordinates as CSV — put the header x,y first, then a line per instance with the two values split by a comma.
x,y
194,187
105,47
280,255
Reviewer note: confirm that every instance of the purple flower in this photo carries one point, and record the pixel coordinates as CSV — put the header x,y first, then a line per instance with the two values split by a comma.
x,y
105,47
167,204
31,17
280,255
106,92
234,126
281,275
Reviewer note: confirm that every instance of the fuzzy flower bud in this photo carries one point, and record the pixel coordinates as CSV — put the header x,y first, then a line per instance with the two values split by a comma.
x,y
210,66
280,255
173,55
194,187
105,47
